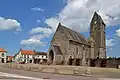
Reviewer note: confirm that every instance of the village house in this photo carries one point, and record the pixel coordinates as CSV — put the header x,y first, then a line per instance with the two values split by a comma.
x,y
24,56
10,59
70,47
3,54
40,57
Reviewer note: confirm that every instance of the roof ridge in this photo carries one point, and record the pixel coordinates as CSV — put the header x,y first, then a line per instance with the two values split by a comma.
x,y
80,35
72,30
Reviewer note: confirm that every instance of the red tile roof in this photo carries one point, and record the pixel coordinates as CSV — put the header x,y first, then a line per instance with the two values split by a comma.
x,y
2,50
27,52
10,57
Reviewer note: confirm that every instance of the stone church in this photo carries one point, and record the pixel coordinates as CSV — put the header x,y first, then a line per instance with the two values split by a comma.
x,y
70,47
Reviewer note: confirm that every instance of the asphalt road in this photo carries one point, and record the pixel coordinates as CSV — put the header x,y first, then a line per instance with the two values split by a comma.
x,y
12,74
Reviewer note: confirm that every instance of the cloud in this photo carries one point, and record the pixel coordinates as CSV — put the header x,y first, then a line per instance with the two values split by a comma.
x,y
32,42
52,22
39,33
118,32
46,31
37,9
9,24
78,13
110,42
111,49
38,21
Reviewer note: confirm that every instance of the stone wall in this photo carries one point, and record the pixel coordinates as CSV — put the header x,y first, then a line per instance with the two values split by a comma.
x,y
75,50
108,63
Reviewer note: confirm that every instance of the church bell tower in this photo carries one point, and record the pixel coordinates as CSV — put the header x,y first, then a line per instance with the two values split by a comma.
x,y
97,33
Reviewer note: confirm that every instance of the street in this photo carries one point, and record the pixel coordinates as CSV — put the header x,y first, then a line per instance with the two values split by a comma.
x,y
12,74
6,73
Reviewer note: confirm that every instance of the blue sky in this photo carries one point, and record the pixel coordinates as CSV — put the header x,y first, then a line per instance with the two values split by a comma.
x,y
30,24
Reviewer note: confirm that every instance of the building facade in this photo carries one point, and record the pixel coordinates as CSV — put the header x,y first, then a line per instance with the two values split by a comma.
x,y
70,47
40,57
24,56
67,44
10,59
3,56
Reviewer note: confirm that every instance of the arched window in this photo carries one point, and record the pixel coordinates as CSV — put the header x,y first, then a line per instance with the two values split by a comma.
x,y
77,50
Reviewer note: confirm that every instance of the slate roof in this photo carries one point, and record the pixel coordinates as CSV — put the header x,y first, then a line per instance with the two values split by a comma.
x,y
73,35
97,17
2,50
10,57
40,53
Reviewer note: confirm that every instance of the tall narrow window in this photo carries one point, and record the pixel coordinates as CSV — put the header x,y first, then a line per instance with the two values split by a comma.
x,y
77,50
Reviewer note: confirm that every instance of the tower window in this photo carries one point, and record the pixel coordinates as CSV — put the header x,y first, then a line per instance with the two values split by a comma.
x,y
95,28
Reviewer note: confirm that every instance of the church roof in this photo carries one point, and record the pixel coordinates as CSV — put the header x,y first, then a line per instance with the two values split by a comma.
x,y
73,35
97,17
2,50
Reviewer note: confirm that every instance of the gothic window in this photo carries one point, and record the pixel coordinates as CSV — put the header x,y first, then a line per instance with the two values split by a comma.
x,y
77,50
95,28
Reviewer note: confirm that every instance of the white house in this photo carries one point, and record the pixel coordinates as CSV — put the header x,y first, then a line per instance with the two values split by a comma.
x,y
40,57
26,56
3,56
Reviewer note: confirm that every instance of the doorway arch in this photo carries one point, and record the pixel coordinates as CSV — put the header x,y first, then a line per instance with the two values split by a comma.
x,y
51,55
